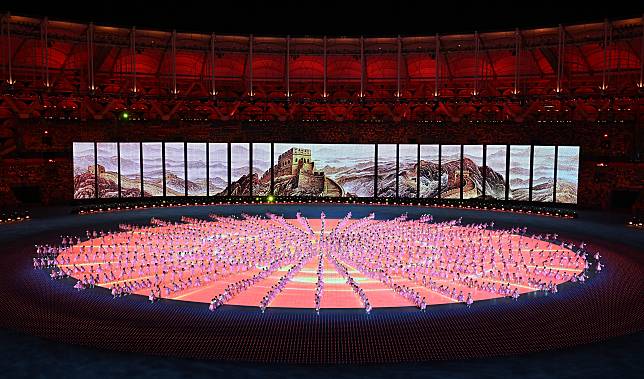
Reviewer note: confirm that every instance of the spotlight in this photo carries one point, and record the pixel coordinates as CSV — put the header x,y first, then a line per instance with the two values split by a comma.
x,y
270,198
125,116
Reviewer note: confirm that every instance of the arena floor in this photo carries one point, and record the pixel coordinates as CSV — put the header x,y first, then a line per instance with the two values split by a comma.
x,y
607,305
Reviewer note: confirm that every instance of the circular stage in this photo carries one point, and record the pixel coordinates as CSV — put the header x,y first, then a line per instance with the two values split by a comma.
x,y
214,268
319,263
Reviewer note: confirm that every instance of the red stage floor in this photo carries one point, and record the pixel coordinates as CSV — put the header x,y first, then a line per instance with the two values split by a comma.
x,y
227,250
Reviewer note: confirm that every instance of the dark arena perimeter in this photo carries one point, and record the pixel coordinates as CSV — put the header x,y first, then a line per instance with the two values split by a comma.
x,y
608,304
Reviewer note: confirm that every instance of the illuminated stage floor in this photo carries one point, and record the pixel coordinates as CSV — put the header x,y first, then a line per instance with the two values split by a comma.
x,y
608,304
197,254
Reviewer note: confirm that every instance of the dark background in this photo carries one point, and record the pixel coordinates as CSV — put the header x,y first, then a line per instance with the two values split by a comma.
x,y
334,18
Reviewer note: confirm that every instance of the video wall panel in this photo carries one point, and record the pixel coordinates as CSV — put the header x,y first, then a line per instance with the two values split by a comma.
x,y
218,169
495,171
543,173
567,174
107,169
152,169
331,170
239,169
519,173
130,164
451,171
261,169
472,171
197,169
429,172
175,169
84,170
407,170
325,170
387,170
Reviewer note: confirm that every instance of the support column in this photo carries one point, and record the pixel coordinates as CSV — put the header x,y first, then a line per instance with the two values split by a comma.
x,y
437,66
324,93
213,90
604,66
133,59
641,83
9,48
362,67
517,59
477,65
163,167
90,58
288,74
44,51
174,62
250,65
398,62
560,56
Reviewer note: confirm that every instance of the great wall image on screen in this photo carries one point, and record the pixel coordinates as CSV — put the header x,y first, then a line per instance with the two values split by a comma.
x,y
299,172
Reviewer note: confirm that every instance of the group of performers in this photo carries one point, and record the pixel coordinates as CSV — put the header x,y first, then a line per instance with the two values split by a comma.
x,y
419,260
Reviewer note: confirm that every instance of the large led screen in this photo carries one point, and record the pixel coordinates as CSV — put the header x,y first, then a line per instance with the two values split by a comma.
x,y
107,169
324,170
152,169
84,170
218,168
543,173
567,174
175,169
495,162
472,171
387,171
261,169
429,173
197,166
519,173
407,170
240,169
451,171
130,157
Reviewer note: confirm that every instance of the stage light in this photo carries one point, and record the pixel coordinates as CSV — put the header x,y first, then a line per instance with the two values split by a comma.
x,y
125,115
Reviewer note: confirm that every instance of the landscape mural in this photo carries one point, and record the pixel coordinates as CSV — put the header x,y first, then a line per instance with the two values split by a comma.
x,y
543,173
519,178
332,170
387,170
429,173
130,169
495,166
197,169
567,174
152,169
324,170
218,168
84,170
107,169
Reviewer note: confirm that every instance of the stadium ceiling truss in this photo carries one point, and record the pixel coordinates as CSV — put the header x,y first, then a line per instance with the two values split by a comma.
x,y
56,69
